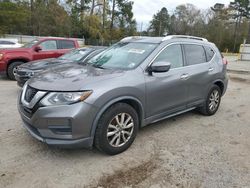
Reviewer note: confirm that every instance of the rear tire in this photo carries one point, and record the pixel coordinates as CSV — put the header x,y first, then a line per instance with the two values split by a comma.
x,y
212,102
11,68
116,129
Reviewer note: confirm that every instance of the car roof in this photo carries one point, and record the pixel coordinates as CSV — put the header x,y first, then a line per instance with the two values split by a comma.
x,y
55,38
93,47
146,39
142,39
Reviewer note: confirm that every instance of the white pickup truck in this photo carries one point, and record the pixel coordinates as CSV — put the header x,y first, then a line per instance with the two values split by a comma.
x,y
9,43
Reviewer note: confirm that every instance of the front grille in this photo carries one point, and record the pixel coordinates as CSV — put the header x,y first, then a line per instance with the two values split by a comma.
x,y
30,93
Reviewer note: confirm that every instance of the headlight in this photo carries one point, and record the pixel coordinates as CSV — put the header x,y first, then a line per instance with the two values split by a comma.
x,y
1,56
64,98
30,74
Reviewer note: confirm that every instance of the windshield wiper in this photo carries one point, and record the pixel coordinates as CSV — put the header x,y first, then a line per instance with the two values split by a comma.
x,y
98,66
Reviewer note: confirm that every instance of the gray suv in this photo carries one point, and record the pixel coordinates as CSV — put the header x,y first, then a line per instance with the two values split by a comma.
x,y
136,82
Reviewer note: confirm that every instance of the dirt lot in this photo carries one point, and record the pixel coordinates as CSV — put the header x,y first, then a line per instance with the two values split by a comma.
x,y
190,150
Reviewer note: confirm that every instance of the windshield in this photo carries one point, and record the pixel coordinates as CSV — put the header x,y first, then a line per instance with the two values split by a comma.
x,y
30,44
123,55
76,54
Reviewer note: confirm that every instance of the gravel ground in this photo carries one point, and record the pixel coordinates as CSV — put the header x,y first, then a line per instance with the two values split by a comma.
x,y
190,151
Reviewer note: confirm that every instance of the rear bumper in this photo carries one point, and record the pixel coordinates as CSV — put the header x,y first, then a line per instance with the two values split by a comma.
x,y
225,85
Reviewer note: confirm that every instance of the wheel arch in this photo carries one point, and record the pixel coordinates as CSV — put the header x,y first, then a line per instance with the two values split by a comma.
x,y
132,101
220,84
24,60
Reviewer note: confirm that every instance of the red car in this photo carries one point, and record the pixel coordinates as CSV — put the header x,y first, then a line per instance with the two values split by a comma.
x,y
36,49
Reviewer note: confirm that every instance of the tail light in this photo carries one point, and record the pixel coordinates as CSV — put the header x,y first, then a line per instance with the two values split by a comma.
x,y
224,61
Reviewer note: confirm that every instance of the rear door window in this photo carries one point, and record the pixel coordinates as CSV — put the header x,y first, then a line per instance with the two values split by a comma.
x,y
195,54
65,44
48,45
171,54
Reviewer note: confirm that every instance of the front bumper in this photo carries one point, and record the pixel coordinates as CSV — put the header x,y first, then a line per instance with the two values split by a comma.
x,y
21,79
62,143
66,126
3,66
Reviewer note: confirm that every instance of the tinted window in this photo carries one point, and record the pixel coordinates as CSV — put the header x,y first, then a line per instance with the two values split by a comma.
x,y
6,42
65,44
76,54
195,54
30,44
48,45
173,55
92,54
209,53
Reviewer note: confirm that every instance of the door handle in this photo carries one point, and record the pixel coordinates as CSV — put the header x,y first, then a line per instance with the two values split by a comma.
x,y
210,69
184,77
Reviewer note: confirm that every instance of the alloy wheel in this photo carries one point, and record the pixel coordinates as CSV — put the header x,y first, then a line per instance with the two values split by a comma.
x,y
120,129
214,100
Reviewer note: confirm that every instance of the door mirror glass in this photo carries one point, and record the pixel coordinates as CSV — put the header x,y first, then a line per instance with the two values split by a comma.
x,y
38,48
160,66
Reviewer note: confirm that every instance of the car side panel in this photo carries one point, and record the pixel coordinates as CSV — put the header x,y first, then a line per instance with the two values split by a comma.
x,y
200,79
165,92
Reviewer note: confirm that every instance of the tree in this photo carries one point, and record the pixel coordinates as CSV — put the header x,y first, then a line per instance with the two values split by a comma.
x,y
242,9
160,23
184,18
13,17
50,19
126,22
112,14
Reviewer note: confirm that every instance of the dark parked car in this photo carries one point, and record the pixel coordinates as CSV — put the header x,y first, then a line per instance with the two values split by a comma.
x,y
37,49
27,70
138,81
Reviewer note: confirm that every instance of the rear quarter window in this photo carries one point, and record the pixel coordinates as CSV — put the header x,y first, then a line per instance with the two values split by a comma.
x,y
209,53
195,54
65,44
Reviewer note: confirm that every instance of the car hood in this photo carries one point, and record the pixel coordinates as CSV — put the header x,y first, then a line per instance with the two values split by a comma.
x,y
42,64
71,77
14,50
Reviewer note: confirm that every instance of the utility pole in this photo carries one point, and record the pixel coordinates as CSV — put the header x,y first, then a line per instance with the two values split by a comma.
x,y
141,28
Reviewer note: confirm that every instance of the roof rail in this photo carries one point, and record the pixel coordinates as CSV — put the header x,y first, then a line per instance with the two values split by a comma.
x,y
184,37
133,37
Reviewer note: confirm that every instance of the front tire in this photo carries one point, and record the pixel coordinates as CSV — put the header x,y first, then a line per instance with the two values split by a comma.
x,y
116,129
212,102
11,68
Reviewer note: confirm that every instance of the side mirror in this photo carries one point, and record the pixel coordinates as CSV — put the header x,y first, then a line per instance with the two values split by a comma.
x,y
37,48
159,66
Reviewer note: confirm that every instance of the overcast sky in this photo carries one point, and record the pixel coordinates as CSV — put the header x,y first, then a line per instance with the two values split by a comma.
x,y
145,9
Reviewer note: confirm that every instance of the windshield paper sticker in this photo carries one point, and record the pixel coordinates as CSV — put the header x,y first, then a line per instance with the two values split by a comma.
x,y
137,51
